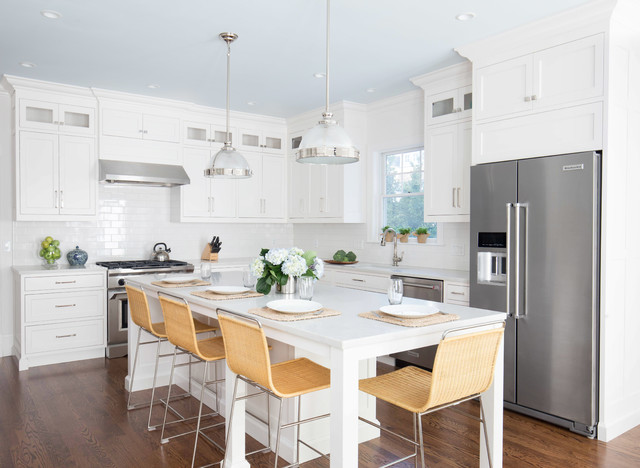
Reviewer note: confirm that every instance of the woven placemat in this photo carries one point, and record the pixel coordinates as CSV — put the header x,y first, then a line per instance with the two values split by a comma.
x,y
181,284
433,319
223,297
265,312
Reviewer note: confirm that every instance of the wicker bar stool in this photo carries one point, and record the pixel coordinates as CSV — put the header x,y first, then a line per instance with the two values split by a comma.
x,y
247,356
182,334
141,316
463,369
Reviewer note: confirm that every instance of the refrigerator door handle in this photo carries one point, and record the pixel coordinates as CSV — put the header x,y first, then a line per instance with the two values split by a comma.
x,y
521,262
509,209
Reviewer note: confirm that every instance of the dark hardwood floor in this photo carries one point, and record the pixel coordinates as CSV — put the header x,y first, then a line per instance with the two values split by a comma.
x,y
74,415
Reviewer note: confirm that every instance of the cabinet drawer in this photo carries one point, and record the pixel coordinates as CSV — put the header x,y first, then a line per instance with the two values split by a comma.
x,y
55,337
362,281
61,282
63,306
456,293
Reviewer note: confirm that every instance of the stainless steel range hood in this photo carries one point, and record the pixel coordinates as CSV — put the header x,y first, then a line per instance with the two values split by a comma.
x,y
135,173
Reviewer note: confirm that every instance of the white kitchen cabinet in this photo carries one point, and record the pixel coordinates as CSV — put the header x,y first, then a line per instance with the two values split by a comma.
x,y
206,134
456,293
57,177
265,141
449,105
356,280
59,315
556,76
205,198
263,195
140,125
56,117
324,195
447,163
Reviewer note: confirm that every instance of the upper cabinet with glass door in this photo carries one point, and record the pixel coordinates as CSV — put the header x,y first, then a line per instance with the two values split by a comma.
x,y
262,140
207,134
449,105
56,117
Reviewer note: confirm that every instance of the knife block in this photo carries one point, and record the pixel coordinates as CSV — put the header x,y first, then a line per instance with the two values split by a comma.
x,y
208,255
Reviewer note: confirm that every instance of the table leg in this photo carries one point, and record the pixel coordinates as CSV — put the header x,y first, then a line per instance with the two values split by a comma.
x,y
235,450
492,401
344,409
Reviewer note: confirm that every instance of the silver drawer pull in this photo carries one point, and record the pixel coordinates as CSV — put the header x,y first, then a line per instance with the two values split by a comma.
x,y
66,305
65,336
457,293
65,282
358,280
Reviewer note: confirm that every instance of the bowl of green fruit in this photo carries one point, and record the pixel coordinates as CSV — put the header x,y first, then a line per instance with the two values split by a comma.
x,y
50,251
343,258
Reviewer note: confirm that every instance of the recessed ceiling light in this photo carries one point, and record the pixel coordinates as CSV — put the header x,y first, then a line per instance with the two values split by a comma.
x,y
28,64
50,14
319,75
371,90
251,103
153,86
466,16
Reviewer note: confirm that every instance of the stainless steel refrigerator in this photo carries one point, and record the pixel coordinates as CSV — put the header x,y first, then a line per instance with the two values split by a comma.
x,y
535,232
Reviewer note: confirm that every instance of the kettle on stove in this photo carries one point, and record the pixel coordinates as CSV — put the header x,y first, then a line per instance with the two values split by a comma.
x,y
160,254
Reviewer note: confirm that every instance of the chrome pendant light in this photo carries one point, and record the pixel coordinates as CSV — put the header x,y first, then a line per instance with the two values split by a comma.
x,y
228,163
327,142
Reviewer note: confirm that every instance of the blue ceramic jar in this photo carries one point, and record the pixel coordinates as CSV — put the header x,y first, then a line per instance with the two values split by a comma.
x,y
77,257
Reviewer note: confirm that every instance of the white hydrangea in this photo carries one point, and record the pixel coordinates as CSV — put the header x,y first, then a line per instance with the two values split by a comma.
x,y
294,265
318,267
277,256
296,251
257,267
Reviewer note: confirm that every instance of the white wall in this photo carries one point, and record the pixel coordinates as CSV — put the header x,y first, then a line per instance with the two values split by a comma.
x,y
6,203
392,124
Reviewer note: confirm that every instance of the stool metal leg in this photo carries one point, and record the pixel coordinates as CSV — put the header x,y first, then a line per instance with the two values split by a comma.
x,y
298,430
133,372
195,444
164,421
484,428
415,437
421,441
279,428
153,388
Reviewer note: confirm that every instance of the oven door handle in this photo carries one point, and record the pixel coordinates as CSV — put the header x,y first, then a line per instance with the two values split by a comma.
x,y
117,294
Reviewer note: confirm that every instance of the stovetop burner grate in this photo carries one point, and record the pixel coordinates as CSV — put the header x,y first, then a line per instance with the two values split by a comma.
x,y
141,264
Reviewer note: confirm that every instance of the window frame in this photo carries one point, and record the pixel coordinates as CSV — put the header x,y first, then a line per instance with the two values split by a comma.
x,y
381,182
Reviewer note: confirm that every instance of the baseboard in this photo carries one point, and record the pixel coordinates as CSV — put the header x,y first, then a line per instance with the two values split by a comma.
x,y
609,431
6,342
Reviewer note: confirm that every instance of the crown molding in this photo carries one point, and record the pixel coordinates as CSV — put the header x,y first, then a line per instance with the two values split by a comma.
x,y
453,76
415,96
16,83
582,21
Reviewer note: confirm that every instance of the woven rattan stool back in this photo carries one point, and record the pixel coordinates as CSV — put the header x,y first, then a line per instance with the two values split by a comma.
x,y
179,323
139,308
464,366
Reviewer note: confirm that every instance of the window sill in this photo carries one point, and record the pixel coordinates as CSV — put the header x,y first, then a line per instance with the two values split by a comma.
x,y
430,242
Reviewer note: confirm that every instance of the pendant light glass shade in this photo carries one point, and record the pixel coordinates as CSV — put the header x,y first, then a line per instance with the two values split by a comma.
x,y
228,163
327,142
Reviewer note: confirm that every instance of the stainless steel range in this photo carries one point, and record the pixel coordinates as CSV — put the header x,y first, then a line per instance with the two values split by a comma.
x,y
117,305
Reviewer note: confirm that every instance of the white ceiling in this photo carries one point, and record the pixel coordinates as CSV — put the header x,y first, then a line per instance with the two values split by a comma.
x,y
126,45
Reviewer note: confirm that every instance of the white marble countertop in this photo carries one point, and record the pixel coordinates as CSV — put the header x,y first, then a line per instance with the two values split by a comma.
x,y
62,268
344,331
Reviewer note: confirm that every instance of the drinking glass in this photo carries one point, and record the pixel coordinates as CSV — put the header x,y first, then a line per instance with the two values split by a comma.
x,y
395,291
248,280
205,270
305,287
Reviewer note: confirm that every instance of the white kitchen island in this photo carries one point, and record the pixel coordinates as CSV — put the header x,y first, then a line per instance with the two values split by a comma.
x,y
344,341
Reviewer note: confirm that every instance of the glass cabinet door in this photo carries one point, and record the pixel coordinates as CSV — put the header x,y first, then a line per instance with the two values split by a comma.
x,y
442,107
76,119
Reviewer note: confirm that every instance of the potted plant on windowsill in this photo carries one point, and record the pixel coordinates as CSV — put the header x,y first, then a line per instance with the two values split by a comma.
x,y
388,236
422,234
403,234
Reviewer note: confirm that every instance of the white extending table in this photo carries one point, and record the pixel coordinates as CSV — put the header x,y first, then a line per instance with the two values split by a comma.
x,y
346,340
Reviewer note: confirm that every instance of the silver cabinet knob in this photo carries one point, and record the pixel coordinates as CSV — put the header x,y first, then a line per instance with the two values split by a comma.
x,y
527,98
534,98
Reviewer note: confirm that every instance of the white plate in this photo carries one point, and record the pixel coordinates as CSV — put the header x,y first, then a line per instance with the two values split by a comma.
x,y
409,310
229,289
294,306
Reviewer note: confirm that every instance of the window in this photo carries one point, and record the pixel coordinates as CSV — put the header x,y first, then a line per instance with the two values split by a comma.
x,y
403,191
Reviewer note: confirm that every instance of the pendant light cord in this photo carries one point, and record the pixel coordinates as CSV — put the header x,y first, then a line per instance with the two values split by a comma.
x,y
228,138
326,107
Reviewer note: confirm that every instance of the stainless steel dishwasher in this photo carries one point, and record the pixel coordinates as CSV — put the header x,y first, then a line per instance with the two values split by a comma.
x,y
430,290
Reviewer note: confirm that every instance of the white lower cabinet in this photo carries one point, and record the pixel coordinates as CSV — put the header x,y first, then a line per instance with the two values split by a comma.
x,y
57,177
357,280
59,315
456,293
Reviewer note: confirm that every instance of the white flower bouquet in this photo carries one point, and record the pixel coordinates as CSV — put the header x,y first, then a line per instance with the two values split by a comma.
x,y
275,266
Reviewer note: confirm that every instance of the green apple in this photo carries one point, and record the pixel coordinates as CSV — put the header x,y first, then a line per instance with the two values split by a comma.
x,y
55,242
44,244
42,252
48,239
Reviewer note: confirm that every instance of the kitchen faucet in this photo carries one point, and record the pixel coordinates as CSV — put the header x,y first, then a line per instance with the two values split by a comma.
x,y
396,259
